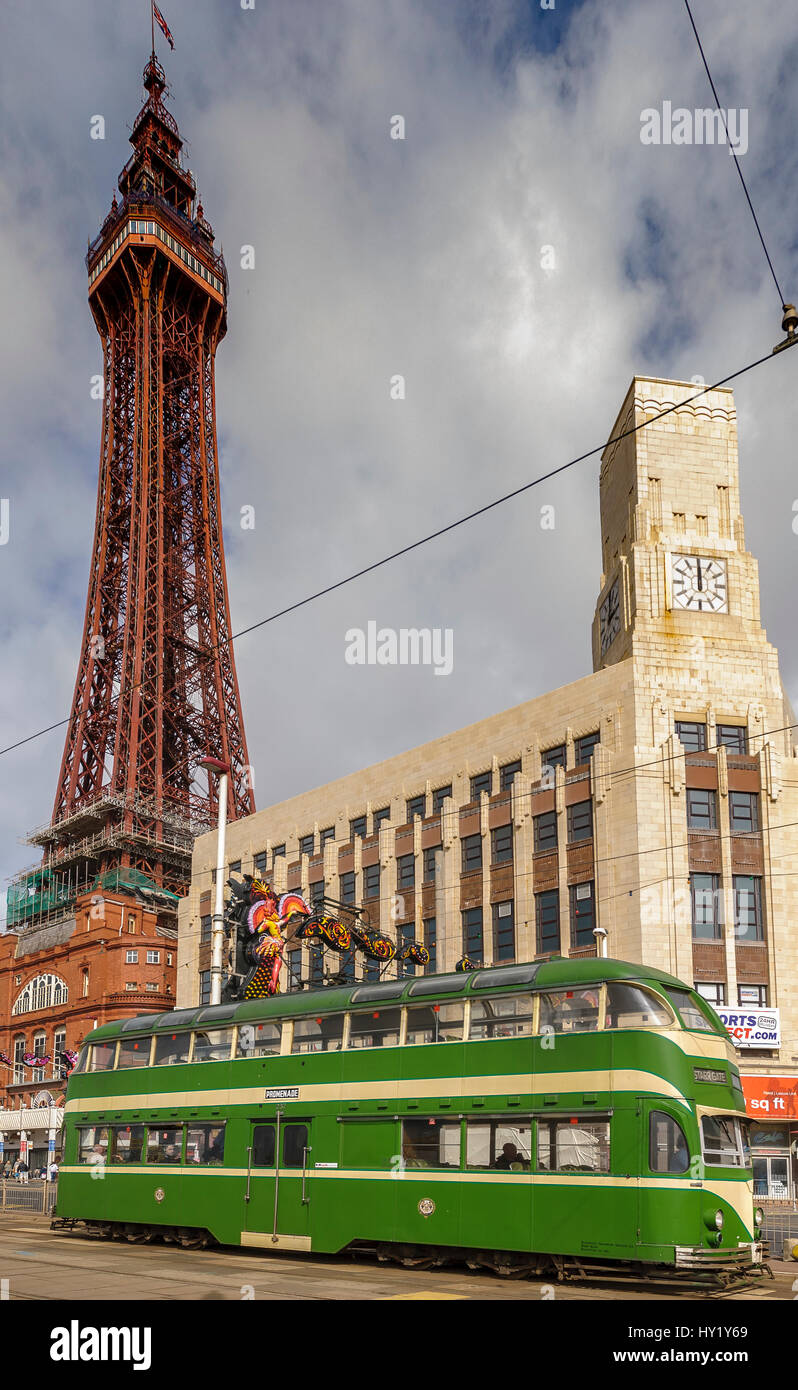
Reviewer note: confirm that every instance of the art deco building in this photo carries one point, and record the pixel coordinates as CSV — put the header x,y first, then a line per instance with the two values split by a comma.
x,y
656,799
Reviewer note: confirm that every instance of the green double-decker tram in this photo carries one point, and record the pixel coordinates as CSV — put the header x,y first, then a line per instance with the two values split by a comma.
x,y
563,1116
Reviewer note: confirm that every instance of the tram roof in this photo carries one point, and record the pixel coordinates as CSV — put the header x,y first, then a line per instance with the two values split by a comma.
x,y
554,973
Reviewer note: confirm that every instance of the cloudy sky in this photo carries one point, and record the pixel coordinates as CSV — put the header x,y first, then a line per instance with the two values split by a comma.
x,y
375,257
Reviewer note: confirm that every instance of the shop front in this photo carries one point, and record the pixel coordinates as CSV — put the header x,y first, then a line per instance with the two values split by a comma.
x,y
772,1104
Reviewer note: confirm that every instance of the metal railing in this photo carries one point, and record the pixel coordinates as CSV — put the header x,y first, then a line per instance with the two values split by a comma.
x,y
780,1224
33,1196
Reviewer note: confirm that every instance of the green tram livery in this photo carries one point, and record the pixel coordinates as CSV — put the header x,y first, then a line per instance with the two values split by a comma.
x,y
564,1116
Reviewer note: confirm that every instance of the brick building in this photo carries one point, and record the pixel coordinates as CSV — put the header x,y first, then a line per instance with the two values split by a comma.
x,y
655,799
114,955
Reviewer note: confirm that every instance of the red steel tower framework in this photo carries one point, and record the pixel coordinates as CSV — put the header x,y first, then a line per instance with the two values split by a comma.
x,y
156,688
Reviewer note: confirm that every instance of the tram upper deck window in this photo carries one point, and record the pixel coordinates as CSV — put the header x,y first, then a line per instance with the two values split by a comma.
x,y
259,1039
691,1012
574,1145
377,1028
318,1034
667,1145
212,1045
133,1052
102,1056
504,1146
631,1006
724,1141
433,1023
431,1143
508,1016
171,1048
569,1011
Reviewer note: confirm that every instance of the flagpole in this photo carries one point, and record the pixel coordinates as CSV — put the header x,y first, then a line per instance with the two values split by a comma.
x,y
152,26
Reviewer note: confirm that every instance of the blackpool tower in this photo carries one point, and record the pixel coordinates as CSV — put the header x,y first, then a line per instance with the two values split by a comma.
x,y
156,687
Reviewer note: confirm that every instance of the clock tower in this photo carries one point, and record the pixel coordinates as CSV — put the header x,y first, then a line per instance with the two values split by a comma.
x,y
679,592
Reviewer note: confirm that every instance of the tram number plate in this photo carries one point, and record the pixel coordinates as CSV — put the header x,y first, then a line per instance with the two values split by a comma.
x,y
282,1093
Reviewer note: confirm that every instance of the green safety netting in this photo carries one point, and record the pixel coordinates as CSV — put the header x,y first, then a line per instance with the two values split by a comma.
x,y
35,893
120,880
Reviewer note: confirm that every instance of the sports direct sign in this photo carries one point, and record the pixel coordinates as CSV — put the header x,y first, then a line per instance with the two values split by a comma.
x,y
752,1027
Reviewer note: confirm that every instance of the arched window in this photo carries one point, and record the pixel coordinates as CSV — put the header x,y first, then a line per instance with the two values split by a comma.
x,y
42,992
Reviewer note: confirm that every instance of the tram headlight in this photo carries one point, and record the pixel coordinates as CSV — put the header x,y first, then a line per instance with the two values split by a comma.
x,y
719,1219
759,1216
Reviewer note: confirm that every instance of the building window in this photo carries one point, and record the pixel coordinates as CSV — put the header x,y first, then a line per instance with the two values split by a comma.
x,y
547,920
39,1049
205,987
278,853
472,853
357,828
153,957
755,996
347,889
501,844
259,864
371,881
151,987
295,969
554,757
306,844
431,943
205,930
168,957
430,862
744,811
85,984
406,871
483,782
714,994
19,1065
59,1044
732,736
583,914
584,746
545,827
379,816
328,833
507,775
235,867
503,931
317,891
473,945
131,986
42,992
747,907
707,911
692,736
316,959
131,957
416,806
580,822
702,811
407,935
439,796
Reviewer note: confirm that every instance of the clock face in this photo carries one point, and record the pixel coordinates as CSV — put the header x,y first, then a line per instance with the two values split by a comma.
x,y
699,583
610,617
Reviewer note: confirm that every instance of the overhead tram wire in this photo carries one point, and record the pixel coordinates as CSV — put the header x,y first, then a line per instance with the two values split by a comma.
x,y
435,535
734,154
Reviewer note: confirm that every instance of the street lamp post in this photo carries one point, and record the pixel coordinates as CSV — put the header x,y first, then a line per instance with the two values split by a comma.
x,y
217,927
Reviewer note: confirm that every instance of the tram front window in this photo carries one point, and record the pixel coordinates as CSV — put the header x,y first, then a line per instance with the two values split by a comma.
x,y
724,1141
692,1015
631,1006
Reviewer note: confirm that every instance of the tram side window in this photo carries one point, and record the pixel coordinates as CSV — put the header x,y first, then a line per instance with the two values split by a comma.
x,y
569,1011
93,1144
379,1028
171,1048
259,1039
133,1052
431,1023
127,1143
500,1145
102,1056
690,1011
430,1143
318,1034
574,1145
165,1145
509,1016
213,1045
722,1141
630,1006
667,1146
263,1146
205,1144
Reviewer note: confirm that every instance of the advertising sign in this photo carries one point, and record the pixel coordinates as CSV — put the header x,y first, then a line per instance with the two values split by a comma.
x,y
774,1097
751,1027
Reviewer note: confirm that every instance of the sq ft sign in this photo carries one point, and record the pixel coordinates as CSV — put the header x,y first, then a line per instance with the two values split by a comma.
x,y
773,1097
751,1027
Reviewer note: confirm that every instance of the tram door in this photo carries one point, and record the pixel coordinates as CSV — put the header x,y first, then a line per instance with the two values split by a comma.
x,y
277,1194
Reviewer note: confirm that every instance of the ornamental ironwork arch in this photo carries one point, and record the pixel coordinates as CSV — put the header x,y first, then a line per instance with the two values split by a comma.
x,y
42,992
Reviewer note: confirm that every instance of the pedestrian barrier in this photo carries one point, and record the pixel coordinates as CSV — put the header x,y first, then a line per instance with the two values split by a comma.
x,y
35,1196
780,1230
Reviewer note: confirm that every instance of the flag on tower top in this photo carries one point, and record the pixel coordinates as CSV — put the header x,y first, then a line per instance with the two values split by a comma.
x,y
167,33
